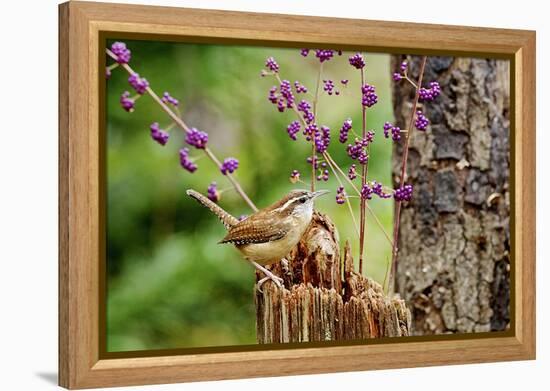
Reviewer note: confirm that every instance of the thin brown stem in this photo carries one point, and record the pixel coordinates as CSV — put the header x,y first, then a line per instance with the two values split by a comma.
x,y
184,127
328,157
330,164
363,202
403,176
315,105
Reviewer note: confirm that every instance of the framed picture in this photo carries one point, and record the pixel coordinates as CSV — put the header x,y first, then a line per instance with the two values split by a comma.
x,y
247,195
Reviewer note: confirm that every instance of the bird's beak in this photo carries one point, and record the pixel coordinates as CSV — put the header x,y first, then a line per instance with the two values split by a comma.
x,y
318,193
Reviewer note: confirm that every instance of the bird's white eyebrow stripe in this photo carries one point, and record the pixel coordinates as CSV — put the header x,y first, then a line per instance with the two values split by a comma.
x,y
281,208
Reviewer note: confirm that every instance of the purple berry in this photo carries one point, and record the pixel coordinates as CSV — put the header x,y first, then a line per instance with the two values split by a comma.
x,y
126,102
229,165
328,87
421,122
300,88
272,65
168,99
123,54
294,176
196,138
185,162
369,95
213,193
352,173
357,61
429,94
340,195
159,135
324,54
403,193
293,129
139,84
344,130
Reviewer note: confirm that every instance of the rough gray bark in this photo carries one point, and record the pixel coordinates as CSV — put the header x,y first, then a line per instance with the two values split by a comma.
x,y
454,240
324,299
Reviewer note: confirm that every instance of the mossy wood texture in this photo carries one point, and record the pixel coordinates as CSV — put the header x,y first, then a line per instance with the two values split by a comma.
x,y
454,242
324,299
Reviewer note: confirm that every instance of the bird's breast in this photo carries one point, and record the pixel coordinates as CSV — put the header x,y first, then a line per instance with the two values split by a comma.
x,y
273,251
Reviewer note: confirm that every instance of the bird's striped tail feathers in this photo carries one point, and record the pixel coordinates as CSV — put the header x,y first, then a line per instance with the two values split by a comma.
x,y
227,220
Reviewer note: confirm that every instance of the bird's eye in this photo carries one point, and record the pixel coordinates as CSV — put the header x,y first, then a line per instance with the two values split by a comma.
x,y
302,200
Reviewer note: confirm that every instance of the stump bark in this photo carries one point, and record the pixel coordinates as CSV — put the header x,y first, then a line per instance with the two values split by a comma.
x,y
324,299
453,262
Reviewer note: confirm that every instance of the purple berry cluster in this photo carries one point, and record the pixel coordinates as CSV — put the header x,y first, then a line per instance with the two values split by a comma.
x,y
323,176
169,99
122,53
352,172
369,189
403,193
213,193
304,52
429,94
196,138
310,131
340,195
421,122
322,139
272,65
378,189
328,87
294,176
305,108
284,99
126,102
357,151
300,88
292,129
229,165
369,98
395,131
398,76
186,162
357,61
344,130
139,84
159,135
366,192
324,54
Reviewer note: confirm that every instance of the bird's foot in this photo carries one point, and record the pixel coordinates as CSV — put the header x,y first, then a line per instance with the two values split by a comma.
x,y
268,276
276,280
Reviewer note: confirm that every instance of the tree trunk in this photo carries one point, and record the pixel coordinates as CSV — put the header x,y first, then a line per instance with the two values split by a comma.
x,y
319,302
453,263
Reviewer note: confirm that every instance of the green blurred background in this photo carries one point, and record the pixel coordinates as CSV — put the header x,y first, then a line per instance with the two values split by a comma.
x,y
169,284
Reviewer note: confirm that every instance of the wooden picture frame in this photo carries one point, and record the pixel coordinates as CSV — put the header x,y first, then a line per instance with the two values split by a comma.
x,y
81,362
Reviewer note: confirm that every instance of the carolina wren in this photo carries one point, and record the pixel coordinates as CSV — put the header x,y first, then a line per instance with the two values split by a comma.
x,y
268,235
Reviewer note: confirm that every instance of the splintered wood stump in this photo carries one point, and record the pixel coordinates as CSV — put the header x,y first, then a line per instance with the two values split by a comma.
x,y
324,299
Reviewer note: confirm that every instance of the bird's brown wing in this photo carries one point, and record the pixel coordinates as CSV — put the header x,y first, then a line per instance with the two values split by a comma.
x,y
255,229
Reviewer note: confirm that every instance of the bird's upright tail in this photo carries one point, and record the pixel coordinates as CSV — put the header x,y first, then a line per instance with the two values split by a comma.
x,y
227,220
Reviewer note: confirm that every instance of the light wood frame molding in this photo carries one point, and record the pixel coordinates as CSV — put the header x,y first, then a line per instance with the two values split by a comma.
x,y
81,364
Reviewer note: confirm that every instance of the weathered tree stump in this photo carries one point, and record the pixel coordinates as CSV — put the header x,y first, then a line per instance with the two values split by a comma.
x,y
324,299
